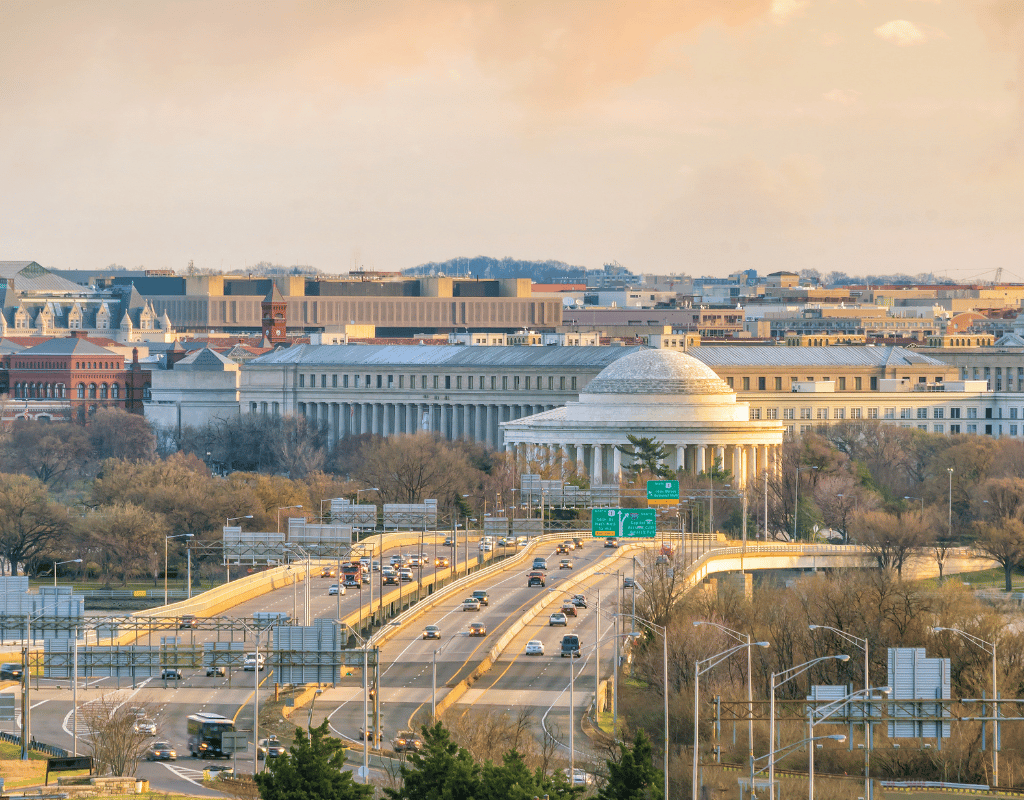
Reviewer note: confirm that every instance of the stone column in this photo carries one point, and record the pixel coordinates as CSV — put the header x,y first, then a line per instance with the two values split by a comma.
x,y
616,464
679,459
597,473
364,418
701,458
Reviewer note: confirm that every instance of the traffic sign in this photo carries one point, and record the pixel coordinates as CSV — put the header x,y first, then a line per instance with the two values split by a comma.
x,y
7,706
234,742
662,493
627,523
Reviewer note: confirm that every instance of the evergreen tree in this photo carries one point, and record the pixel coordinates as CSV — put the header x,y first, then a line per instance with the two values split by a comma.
x,y
512,780
648,455
633,777
442,771
314,769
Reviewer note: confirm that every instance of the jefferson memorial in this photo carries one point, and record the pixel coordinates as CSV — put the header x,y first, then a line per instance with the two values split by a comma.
x,y
665,395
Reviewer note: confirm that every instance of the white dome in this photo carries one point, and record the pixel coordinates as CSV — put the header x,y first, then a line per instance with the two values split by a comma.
x,y
648,372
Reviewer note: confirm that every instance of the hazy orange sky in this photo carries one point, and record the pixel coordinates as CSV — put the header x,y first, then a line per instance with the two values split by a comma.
x,y
696,136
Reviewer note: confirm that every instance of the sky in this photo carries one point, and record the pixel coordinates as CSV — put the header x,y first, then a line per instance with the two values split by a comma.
x,y
671,136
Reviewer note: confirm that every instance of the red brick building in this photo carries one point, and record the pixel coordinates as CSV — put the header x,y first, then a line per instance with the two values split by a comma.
x,y
70,378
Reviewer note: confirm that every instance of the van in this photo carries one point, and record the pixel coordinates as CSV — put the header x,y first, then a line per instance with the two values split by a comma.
x,y
570,646
540,563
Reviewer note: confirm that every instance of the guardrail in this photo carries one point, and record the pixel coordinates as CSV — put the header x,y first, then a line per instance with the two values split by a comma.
x,y
39,747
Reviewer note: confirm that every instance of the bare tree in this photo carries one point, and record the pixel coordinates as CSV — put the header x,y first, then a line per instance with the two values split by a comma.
x,y
117,747
1003,540
892,540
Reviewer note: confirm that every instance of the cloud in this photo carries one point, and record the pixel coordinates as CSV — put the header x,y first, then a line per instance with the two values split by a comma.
x,y
901,32
784,9
844,97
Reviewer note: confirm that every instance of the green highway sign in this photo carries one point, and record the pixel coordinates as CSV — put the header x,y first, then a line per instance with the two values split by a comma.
x,y
627,523
662,493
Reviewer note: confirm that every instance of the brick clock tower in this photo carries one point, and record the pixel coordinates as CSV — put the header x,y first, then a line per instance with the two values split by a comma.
x,y
275,316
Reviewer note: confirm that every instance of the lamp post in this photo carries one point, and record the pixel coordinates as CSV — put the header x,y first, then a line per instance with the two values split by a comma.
x,y
822,714
863,645
305,581
742,637
309,724
279,510
950,521
777,757
360,491
908,497
988,647
166,540
433,676
699,668
227,563
796,506
787,675
72,561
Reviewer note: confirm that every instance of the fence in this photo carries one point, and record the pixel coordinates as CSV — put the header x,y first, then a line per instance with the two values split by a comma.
x,y
39,747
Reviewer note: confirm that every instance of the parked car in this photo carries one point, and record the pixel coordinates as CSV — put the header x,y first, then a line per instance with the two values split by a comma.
x,y
335,589
270,748
611,542
535,647
569,609
407,740
535,579
431,632
482,596
216,671
250,661
558,618
161,751
477,629
170,674
470,604
189,621
145,726
565,563
11,672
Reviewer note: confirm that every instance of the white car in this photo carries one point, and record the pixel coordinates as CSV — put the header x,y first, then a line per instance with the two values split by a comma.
x,y
470,604
388,571
486,547
335,589
535,647
251,659
580,777
558,618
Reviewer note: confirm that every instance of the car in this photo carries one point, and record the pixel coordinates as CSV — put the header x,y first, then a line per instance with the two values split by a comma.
x,y
188,621
570,646
578,542
161,751
221,770
540,563
570,544
374,735
216,671
364,562
431,632
390,580
407,740
170,674
138,712
569,609
502,542
145,726
486,547
441,561
396,560
250,661
470,604
335,589
561,549
449,542
415,561
270,748
611,542
11,672
535,647
661,559
535,579
376,566
579,601
477,629
558,618
405,574
580,777
565,563
628,583
482,596
329,572
389,570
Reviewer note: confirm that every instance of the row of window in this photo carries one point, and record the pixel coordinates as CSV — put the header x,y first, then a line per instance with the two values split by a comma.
x,y
57,391
481,383
762,383
891,412
988,430
61,365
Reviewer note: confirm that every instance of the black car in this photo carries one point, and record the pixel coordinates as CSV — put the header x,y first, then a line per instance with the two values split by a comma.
x,y
170,674
579,601
11,672
189,621
270,748
390,580
161,751
611,542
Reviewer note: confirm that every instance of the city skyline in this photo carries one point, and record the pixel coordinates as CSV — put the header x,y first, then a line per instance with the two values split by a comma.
x,y
699,137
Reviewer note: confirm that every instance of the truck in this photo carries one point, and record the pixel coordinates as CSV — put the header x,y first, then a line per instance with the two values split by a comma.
x,y
352,574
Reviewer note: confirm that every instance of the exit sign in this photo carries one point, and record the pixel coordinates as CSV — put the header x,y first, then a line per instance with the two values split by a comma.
x,y
662,493
627,523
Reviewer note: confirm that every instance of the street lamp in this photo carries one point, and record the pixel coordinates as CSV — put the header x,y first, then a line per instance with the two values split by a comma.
x,y
312,702
908,497
787,675
822,714
433,674
229,520
72,561
166,540
863,645
660,629
796,505
777,757
988,647
950,471
742,637
279,510
360,491
708,663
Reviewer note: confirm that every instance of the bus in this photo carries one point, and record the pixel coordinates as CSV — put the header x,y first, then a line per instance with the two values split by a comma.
x,y
204,732
352,574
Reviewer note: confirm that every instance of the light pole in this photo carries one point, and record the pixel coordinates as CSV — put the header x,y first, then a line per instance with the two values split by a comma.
x,y
988,647
908,497
227,561
305,583
773,758
822,714
309,724
863,645
360,491
279,510
73,561
787,675
660,629
742,637
699,668
433,674
796,507
166,540
950,522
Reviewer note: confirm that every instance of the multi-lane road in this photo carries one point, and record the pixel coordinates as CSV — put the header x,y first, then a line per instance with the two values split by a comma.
x,y
513,681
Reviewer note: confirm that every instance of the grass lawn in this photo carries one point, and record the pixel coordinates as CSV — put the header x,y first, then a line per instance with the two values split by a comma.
x,y
988,579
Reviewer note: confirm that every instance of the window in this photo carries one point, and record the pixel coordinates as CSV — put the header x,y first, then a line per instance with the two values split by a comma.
x,y
302,380
359,382
312,381
380,381
92,391
527,383
771,413
504,383
872,413
103,391
762,383
940,428
551,383
323,381
437,381
972,428
746,384
889,413
494,382
115,391
368,383
821,413
874,384
938,413
778,384
574,384
972,413
1013,413
840,413
857,384
334,381
755,413
146,392
789,413
470,385
1013,430
458,381
922,413
954,413
904,413
515,383
447,381
80,389
805,413
729,381
344,380
954,429
842,384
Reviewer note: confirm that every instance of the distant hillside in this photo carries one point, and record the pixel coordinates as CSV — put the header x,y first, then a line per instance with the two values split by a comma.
x,y
485,267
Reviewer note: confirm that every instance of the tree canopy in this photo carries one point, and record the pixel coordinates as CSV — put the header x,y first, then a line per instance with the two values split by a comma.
x,y
313,769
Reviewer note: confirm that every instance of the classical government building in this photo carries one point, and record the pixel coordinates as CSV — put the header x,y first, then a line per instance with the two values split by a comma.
x,y
662,394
